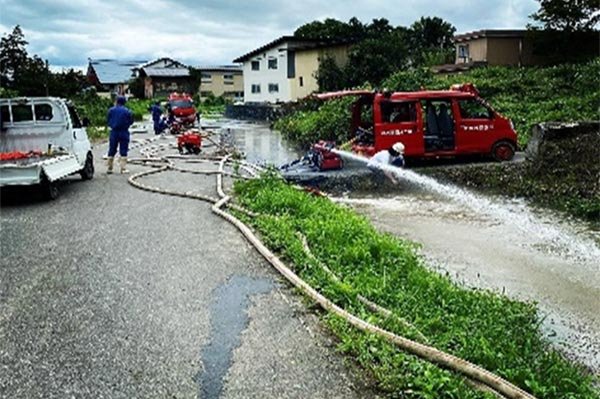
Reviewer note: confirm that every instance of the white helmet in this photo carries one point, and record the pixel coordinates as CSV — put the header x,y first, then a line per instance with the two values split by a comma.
x,y
398,147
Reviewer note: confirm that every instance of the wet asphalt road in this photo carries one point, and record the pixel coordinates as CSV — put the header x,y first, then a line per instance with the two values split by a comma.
x,y
113,292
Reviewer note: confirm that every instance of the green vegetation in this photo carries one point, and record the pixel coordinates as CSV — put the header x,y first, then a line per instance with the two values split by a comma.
x,y
377,49
488,329
525,95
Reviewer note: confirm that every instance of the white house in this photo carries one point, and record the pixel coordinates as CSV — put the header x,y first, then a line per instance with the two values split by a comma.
x,y
284,69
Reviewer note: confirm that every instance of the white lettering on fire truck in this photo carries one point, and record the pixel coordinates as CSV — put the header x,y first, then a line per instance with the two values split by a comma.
x,y
397,132
477,128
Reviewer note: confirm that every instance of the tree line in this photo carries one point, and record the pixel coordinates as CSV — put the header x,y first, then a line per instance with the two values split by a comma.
x,y
29,75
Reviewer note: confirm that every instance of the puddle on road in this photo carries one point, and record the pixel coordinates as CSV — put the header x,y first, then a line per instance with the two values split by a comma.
x,y
229,318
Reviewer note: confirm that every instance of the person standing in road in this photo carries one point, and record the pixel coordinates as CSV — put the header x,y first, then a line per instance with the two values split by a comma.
x,y
119,120
156,114
393,156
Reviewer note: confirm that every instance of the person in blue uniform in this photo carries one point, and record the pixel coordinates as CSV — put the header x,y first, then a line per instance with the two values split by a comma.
x,y
156,113
119,120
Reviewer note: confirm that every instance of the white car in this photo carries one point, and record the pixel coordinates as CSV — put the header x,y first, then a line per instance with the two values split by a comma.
x,y
42,139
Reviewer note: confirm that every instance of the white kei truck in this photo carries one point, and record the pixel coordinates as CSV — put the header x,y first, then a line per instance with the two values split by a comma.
x,y
42,140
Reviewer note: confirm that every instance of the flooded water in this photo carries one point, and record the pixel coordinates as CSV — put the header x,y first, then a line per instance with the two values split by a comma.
x,y
482,241
260,144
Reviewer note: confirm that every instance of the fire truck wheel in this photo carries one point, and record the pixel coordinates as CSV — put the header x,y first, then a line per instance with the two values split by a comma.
x,y
503,151
196,150
180,149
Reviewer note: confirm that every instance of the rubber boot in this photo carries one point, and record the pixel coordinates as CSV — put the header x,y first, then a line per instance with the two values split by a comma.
x,y
123,164
109,165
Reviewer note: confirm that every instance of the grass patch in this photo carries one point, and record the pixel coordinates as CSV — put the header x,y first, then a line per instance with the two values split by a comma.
x,y
488,329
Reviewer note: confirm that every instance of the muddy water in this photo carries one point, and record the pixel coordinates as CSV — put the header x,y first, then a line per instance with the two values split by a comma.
x,y
478,250
483,242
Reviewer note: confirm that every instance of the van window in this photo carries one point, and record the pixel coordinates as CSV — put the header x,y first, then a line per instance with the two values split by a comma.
x,y
43,112
22,112
4,114
74,117
473,109
396,112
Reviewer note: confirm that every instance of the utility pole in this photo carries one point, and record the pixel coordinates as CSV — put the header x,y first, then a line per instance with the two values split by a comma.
x,y
47,79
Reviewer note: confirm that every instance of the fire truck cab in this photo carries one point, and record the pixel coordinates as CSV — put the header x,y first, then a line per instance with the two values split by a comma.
x,y
430,124
182,107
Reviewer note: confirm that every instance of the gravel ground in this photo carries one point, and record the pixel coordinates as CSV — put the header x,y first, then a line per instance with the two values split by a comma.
x,y
113,292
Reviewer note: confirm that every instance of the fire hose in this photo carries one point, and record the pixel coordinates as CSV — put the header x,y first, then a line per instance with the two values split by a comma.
x,y
481,378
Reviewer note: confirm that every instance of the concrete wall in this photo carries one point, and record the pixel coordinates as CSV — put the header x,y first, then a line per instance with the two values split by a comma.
x,y
477,51
307,65
504,51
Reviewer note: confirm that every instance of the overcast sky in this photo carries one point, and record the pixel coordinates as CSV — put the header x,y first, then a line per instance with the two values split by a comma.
x,y
214,32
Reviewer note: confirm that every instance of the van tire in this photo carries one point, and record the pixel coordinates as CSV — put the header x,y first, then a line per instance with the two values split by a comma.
x,y
49,189
87,173
503,151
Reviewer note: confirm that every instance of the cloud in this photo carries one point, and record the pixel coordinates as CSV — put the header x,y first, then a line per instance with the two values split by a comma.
x,y
211,32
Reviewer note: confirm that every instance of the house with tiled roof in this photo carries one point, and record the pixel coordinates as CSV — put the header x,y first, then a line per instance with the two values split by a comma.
x,y
164,76
109,75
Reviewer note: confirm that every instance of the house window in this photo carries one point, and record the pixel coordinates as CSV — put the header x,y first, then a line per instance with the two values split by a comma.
x,y
255,89
255,65
205,77
273,88
272,63
463,51
228,79
301,81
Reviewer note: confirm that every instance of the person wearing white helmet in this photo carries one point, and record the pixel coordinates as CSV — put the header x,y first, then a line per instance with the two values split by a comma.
x,y
393,156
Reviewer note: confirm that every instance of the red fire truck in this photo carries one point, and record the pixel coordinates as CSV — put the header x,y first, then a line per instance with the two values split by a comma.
x,y
429,123
182,108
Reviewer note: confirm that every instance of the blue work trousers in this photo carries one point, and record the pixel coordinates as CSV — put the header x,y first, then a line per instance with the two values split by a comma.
x,y
120,139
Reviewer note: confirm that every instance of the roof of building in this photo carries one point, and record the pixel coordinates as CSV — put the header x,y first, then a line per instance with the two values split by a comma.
x,y
497,33
111,71
297,43
171,69
167,72
220,68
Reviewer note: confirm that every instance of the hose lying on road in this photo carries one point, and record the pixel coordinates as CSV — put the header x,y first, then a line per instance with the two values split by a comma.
x,y
477,374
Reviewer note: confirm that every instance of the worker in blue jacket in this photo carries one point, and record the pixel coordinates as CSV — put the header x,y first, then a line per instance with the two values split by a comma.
x,y
119,120
156,113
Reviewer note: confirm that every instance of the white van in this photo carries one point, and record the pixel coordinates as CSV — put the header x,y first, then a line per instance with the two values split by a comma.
x,y
42,139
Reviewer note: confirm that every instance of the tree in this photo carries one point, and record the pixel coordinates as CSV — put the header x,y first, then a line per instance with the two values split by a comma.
x,y
13,56
568,15
330,76
431,39
332,29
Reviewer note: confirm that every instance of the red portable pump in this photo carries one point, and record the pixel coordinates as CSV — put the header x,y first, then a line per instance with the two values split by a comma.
x,y
190,142
318,157
325,159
